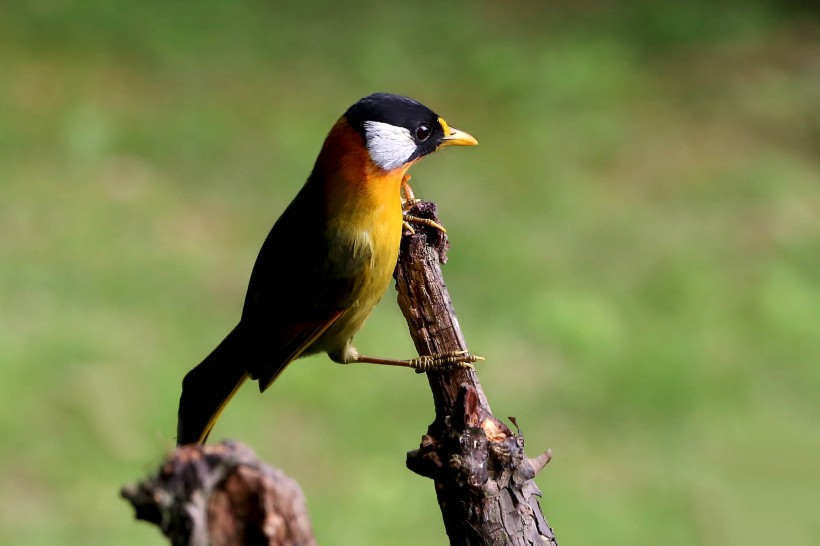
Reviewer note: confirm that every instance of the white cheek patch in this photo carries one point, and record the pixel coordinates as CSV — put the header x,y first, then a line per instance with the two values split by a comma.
x,y
389,146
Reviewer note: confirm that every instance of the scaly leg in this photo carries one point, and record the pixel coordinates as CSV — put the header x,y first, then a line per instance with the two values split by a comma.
x,y
427,363
407,202
408,198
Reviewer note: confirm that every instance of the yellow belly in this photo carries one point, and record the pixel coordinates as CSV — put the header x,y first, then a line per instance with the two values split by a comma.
x,y
373,228
363,207
374,284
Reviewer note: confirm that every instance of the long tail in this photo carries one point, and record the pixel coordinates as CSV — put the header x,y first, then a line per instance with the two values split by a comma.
x,y
208,387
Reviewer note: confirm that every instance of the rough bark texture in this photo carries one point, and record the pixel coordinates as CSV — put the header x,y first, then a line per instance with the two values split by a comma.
x,y
483,480
222,495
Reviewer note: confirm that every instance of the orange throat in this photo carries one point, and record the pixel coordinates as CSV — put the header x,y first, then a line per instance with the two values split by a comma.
x,y
357,192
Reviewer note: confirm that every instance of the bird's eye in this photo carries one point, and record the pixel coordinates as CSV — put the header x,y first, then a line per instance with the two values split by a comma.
x,y
423,132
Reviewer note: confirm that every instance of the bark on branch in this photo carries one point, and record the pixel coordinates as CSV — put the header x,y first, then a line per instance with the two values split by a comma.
x,y
222,495
484,481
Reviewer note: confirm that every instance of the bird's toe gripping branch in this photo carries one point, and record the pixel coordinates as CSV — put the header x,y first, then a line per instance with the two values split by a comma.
x,y
408,219
427,363
440,361
407,202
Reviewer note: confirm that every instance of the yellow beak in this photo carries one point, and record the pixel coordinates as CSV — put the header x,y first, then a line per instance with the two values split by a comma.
x,y
458,138
454,137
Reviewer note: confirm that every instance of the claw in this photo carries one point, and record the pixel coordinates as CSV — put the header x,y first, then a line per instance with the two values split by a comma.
x,y
458,359
407,202
424,222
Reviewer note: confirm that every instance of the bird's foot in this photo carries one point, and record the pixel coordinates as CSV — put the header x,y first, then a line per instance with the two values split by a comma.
x,y
447,360
426,363
408,220
408,199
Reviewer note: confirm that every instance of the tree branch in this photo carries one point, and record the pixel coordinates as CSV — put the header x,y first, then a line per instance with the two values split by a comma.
x,y
483,480
222,495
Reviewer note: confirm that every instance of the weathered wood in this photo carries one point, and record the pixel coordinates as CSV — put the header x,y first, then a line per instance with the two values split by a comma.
x,y
222,495
483,480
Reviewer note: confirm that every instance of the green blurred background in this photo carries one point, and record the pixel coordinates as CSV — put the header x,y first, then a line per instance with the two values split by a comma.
x,y
636,251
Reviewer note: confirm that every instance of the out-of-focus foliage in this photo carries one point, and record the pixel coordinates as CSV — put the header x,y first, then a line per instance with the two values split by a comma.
x,y
636,251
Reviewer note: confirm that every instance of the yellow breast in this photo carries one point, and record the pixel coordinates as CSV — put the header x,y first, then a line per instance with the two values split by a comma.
x,y
364,214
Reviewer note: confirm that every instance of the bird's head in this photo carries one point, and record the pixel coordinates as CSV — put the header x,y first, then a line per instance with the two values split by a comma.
x,y
398,130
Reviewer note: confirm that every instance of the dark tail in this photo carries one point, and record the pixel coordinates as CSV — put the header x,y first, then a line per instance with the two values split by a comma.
x,y
208,387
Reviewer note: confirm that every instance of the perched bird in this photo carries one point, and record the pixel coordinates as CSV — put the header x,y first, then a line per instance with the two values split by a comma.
x,y
327,260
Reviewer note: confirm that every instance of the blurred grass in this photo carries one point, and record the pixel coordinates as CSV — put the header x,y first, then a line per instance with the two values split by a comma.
x,y
636,250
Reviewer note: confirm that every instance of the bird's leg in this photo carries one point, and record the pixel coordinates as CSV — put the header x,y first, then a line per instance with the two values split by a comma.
x,y
407,202
408,198
426,363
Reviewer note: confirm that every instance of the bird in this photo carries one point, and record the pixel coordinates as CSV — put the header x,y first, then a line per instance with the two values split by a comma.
x,y
327,260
